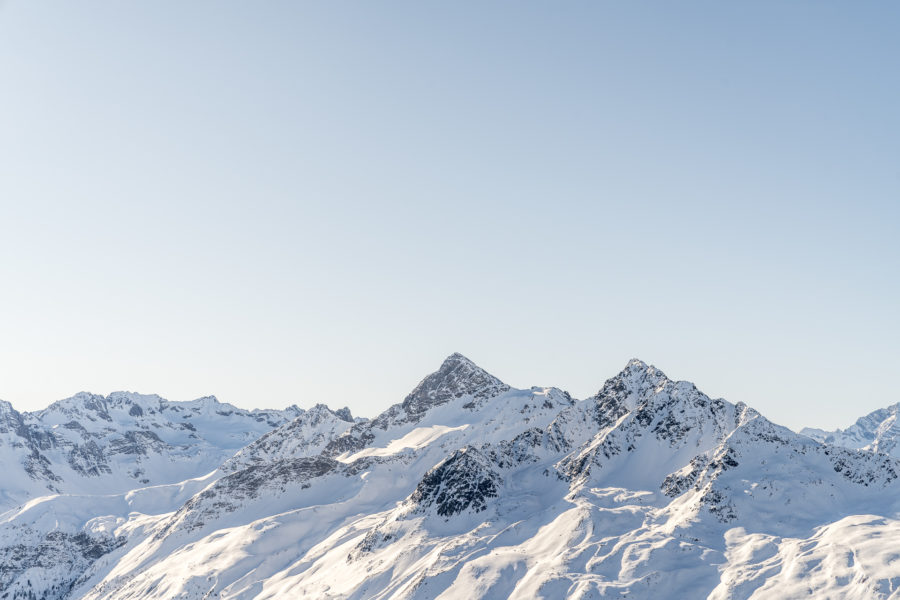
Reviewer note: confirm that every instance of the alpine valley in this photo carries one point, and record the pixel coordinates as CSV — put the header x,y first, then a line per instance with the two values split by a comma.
x,y
468,488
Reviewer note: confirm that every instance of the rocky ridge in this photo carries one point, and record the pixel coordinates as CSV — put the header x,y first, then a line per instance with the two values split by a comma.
x,y
472,488
110,444
879,431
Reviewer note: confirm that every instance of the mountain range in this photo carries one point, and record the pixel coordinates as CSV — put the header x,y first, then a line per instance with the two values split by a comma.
x,y
468,488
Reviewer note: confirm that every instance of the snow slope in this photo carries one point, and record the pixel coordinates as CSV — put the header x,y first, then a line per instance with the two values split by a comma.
x,y
472,489
95,514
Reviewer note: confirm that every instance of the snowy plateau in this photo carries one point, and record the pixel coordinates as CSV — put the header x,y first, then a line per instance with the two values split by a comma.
x,y
468,488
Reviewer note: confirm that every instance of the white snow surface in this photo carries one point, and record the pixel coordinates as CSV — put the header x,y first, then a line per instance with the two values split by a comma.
x,y
878,431
472,489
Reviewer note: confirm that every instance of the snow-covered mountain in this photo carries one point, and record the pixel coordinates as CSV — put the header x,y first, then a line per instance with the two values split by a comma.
x,y
470,488
878,431
307,435
91,444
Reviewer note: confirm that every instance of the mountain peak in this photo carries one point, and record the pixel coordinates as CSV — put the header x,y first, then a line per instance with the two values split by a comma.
x,y
345,414
207,400
119,398
636,365
631,383
637,370
80,402
457,377
878,431
457,359
9,417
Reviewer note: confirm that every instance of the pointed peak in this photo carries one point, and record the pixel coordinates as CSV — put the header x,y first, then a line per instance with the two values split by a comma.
x,y
457,377
458,367
636,378
319,410
10,418
464,369
344,414
323,411
316,414
457,359
637,366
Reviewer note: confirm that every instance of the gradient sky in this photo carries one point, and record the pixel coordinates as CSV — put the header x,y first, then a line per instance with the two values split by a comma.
x,y
288,202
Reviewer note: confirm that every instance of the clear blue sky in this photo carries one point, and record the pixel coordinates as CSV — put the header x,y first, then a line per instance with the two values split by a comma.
x,y
288,202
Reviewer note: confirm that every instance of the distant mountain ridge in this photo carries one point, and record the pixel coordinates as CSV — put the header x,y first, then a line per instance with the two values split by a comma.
x,y
90,443
878,431
469,488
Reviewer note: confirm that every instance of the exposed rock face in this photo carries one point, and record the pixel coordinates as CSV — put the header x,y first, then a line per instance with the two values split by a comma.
x,y
57,557
465,480
457,377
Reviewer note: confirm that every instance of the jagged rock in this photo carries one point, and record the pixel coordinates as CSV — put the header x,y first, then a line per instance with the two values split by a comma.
x,y
305,436
465,480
